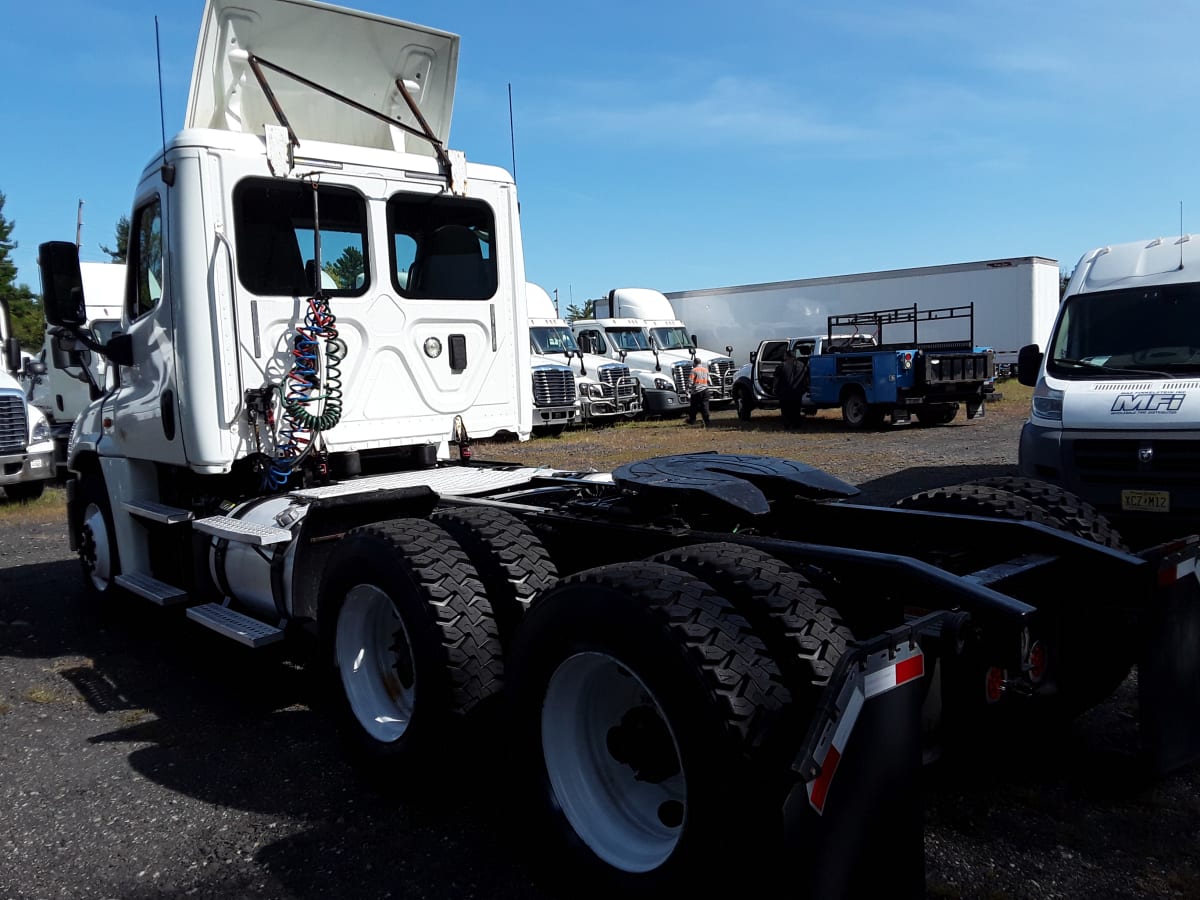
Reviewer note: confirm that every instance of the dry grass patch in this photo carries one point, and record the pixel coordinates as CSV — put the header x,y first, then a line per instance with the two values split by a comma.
x,y
48,509
45,696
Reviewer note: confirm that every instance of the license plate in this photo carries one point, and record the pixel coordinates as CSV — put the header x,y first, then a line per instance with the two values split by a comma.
x,y
1146,501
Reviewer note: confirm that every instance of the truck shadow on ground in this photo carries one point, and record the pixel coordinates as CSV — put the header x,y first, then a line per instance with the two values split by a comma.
x,y
246,730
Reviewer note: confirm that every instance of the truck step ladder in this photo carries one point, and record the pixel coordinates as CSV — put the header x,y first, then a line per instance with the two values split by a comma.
x,y
243,532
157,512
235,625
152,589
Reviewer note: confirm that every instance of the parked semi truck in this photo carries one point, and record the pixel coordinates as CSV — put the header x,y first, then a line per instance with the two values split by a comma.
x,y
714,668
639,326
62,393
26,447
1115,415
605,390
1015,301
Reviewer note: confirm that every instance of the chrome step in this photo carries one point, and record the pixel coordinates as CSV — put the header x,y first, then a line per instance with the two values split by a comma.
x,y
156,512
151,588
233,624
242,532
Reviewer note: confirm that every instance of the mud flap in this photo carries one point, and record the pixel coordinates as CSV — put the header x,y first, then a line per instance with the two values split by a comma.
x,y
1169,663
854,823
976,408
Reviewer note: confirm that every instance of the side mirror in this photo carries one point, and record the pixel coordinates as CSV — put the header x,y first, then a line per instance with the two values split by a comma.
x,y
753,356
35,368
62,284
1029,363
729,349
12,354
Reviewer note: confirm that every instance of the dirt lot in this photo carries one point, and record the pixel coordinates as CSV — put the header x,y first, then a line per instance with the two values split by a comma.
x,y
143,758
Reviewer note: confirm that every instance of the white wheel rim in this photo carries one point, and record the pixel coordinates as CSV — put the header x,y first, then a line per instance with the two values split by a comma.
x,y
632,824
100,560
372,649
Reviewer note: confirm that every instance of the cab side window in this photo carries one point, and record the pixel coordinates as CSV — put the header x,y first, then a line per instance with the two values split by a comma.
x,y
145,260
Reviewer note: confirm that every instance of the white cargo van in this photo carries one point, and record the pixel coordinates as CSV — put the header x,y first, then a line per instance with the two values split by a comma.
x,y
1115,415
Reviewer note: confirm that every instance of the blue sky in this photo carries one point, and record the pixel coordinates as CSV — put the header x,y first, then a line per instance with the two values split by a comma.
x,y
683,146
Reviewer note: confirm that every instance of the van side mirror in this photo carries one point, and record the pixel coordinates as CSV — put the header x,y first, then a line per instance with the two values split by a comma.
x,y
62,284
1029,363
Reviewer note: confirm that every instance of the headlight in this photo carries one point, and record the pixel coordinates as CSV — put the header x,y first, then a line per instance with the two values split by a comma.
x,y
663,385
595,390
1047,402
40,431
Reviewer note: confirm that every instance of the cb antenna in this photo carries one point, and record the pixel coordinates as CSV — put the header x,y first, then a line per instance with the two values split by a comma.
x,y
167,172
1181,235
511,135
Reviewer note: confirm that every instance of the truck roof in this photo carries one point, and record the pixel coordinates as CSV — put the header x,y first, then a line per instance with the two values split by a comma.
x,y
355,54
1136,263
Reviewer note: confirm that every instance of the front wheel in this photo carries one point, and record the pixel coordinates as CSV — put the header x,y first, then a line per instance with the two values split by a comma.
x,y
650,724
743,404
96,536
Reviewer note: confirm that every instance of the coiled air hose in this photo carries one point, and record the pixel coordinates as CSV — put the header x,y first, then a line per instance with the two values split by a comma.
x,y
303,388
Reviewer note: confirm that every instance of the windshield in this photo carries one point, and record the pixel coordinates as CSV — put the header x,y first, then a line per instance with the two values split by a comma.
x,y
628,338
552,339
673,338
1144,331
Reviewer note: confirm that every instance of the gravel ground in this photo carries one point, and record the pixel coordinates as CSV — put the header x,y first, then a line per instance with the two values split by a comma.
x,y
141,757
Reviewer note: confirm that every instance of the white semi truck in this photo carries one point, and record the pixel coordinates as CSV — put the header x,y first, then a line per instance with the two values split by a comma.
x,y
1115,416
1015,302
639,327
26,447
63,391
605,390
712,669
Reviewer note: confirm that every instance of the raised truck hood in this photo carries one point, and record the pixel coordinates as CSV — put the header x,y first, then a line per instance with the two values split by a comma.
x,y
1159,404
355,54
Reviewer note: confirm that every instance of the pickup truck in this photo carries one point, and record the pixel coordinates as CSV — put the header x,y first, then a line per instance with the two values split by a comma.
x,y
754,384
870,379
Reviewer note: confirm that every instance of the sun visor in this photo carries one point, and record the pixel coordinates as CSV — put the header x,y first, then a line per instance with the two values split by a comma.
x,y
357,55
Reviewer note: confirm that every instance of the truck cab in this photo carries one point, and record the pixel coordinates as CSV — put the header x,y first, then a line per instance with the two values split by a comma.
x,y
1115,414
67,386
605,389
239,372
26,446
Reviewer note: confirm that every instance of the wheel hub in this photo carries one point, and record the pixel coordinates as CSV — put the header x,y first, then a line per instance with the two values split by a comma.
x,y
643,742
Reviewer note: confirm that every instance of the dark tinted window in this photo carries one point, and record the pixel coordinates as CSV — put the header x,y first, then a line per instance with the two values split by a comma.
x,y
442,248
275,238
146,260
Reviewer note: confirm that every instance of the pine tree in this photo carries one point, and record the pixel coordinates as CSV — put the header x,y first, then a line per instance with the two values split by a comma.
x,y
119,255
23,306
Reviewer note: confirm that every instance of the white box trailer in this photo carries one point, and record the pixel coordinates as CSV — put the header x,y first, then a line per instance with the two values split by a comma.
x,y
1015,302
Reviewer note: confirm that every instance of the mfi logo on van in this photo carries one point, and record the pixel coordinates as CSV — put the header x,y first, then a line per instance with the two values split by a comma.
x,y
1147,402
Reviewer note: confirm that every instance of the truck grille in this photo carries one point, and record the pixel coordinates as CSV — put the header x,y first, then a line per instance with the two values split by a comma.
x,y
1120,462
14,427
553,386
721,373
616,381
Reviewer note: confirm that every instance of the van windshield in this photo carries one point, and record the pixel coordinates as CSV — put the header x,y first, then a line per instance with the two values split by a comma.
x,y
552,339
672,338
1145,331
